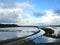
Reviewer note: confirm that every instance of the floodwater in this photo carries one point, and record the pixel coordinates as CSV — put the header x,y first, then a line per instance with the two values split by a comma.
x,y
13,33
44,39
26,31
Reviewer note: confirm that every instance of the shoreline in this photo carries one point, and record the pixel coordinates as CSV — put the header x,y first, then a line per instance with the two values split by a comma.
x,y
15,39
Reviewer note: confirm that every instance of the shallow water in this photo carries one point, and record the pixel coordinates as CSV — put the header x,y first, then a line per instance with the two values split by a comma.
x,y
43,39
37,38
8,35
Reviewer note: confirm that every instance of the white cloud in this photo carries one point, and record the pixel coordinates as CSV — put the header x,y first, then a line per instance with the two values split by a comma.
x,y
24,5
15,10
50,18
14,13
15,4
9,15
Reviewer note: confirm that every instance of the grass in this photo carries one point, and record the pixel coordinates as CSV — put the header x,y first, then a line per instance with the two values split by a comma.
x,y
32,43
9,40
29,43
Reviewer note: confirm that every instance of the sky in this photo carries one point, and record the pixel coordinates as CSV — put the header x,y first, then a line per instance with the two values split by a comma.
x,y
30,12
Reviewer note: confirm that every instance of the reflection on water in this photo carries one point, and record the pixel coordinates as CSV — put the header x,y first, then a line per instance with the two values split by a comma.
x,y
38,38
43,39
7,35
23,34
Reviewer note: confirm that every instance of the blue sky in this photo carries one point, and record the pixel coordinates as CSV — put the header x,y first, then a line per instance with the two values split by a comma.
x,y
41,5
30,12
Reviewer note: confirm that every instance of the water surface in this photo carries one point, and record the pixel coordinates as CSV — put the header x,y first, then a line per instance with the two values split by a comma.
x,y
13,33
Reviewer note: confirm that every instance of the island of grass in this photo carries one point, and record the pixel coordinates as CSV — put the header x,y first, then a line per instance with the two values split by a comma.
x,y
49,32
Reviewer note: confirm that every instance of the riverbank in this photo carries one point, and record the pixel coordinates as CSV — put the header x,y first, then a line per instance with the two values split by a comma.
x,y
9,40
32,43
16,39
49,32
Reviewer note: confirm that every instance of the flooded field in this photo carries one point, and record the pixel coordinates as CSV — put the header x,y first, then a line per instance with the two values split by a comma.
x,y
14,32
26,31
